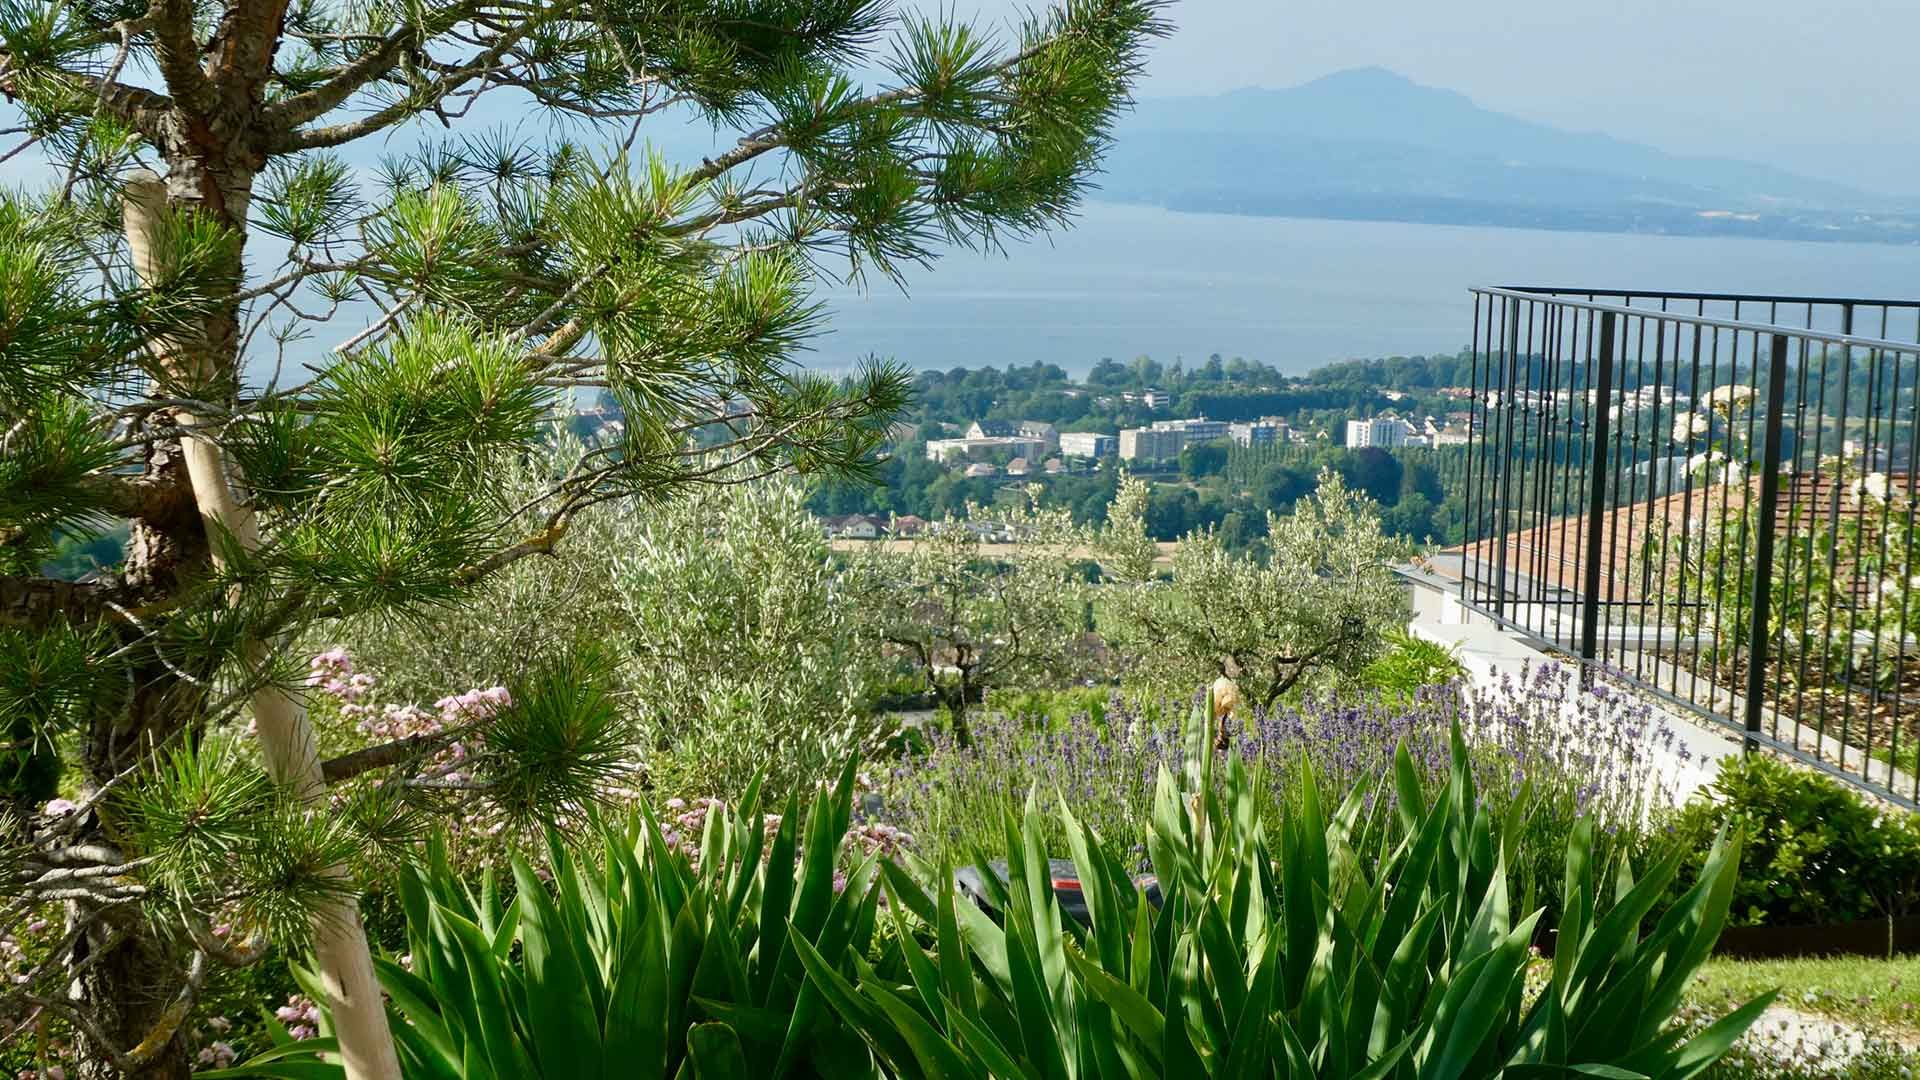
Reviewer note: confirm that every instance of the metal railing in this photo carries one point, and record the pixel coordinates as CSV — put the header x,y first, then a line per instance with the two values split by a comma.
x,y
1712,497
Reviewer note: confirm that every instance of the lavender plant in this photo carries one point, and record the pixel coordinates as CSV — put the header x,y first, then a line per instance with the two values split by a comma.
x,y
1546,754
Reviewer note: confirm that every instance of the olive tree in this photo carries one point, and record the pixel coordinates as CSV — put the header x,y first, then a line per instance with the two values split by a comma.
x,y
989,599
733,651
162,296
1316,608
745,656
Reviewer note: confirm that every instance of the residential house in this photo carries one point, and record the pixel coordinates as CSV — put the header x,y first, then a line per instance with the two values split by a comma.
x,y
1039,429
1017,467
992,429
979,469
853,527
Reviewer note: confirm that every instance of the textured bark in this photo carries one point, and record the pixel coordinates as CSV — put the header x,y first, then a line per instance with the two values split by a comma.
x,y
141,972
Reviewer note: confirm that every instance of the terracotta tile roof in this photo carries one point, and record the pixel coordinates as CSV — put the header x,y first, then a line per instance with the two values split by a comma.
x,y
1549,555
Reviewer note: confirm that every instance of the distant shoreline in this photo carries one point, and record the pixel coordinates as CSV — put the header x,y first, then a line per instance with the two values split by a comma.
x,y
1675,224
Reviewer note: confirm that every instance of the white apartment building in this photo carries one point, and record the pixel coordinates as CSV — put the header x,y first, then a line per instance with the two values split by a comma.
x,y
1088,444
1386,432
1259,433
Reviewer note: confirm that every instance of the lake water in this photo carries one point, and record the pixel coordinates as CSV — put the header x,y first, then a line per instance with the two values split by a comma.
x,y
1291,292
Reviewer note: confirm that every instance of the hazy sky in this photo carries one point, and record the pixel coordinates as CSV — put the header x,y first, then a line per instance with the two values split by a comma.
x,y
1772,80
1820,86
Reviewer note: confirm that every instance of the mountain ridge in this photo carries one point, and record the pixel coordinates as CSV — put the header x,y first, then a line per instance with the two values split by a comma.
x,y
1369,136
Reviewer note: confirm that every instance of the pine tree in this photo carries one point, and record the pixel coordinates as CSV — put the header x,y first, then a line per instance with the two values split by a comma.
x,y
198,229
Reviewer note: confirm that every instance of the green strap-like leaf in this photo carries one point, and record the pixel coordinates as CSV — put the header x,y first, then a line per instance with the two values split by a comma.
x,y
714,1051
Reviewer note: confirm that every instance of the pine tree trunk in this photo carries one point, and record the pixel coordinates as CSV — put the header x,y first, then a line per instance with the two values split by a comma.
x,y
342,956
129,988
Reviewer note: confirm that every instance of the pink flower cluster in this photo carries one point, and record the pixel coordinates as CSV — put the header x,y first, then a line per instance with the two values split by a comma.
x,y
474,704
301,1016
332,671
688,823
219,1053
879,838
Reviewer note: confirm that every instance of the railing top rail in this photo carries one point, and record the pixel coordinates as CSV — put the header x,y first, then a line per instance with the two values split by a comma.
x,y
1736,325
1743,298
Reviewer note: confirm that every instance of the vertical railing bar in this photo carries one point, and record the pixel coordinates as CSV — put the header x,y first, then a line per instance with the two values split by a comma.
x,y
1536,520
1798,531
1859,515
1686,531
1666,498
1873,435
1469,572
1483,404
1503,495
1656,503
1908,587
1822,515
1719,521
1838,507
1552,370
1596,503
1686,537
1587,397
1575,373
1763,556
1617,583
1743,600
1529,409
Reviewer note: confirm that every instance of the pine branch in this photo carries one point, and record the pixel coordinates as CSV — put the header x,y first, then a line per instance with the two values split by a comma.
x,y
177,54
138,108
348,766
293,140
35,603
377,61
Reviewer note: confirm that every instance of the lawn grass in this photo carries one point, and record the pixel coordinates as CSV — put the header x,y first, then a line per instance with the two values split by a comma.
x,y
1867,993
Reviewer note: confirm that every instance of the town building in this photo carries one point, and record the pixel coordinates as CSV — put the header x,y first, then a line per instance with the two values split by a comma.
x,y
1151,444
1386,432
853,527
1088,444
982,447
1152,398
1267,432
1197,430
1164,439
1039,429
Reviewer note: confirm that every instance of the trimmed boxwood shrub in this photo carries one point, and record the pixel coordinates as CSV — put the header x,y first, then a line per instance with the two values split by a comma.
x,y
1816,851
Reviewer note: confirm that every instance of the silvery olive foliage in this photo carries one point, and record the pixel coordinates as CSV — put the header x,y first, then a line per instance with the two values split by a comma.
x,y
733,648
992,598
744,653
1313,611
